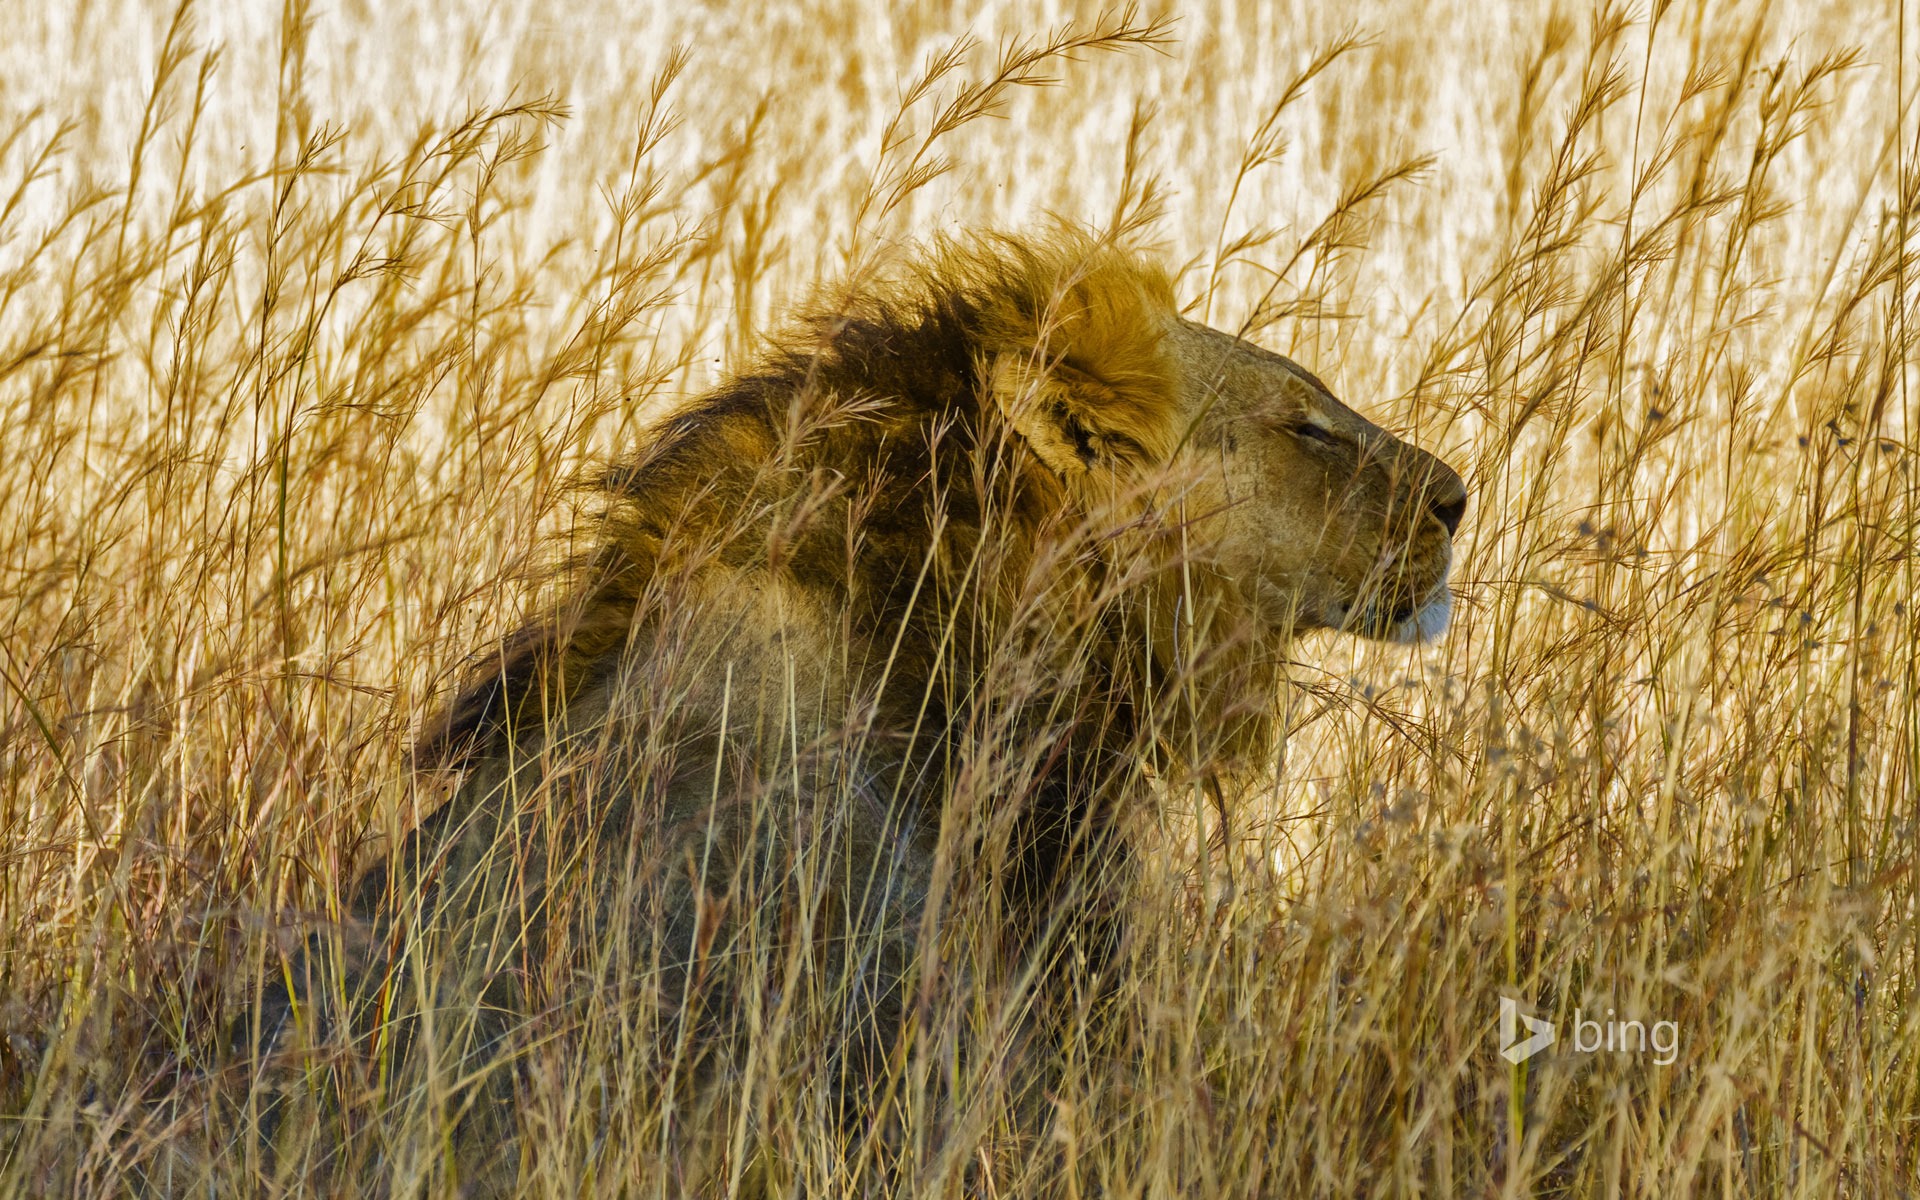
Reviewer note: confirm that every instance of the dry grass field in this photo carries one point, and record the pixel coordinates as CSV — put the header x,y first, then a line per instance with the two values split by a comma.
x,y
311,316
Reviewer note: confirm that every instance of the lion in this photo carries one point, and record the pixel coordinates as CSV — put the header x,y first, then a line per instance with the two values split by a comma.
x,y
831,745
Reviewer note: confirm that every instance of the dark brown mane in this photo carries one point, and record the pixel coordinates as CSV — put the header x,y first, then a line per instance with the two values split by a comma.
x,y
855,441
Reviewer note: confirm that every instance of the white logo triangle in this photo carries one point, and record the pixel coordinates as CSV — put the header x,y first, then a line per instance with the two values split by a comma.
x,y
1512,1048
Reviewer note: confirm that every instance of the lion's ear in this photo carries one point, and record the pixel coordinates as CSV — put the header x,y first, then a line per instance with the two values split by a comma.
x,y
1076,360
1078,423
1054,410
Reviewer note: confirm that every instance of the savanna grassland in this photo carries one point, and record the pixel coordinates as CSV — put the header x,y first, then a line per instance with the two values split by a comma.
x,y
311,318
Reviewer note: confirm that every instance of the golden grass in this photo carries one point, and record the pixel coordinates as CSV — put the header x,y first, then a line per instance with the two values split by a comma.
x,y
309,317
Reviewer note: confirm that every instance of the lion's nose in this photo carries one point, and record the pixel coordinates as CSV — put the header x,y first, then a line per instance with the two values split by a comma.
x,y
1449,501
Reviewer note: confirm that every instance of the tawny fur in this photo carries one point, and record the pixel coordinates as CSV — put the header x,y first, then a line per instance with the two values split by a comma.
x,y
881,649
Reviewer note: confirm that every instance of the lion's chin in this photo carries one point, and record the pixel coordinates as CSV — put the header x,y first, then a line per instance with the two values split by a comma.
x,y
1428,622
1407,626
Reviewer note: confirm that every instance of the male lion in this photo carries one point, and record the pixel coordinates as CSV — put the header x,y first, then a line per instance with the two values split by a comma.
x,y
818,777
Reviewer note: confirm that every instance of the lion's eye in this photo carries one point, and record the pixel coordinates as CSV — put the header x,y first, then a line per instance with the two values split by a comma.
x,y
1314,433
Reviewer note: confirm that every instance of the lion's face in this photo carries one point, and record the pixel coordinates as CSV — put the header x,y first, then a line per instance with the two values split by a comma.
x,y
1323,518
1313,515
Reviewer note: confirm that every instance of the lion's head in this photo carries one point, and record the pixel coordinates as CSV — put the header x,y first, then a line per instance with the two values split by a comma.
x,y
993,387
1315,516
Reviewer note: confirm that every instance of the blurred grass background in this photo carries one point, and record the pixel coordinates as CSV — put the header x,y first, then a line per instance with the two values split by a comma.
x,y
308,315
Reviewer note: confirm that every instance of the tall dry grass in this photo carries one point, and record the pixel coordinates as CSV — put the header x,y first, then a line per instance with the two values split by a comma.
x,y
308,318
